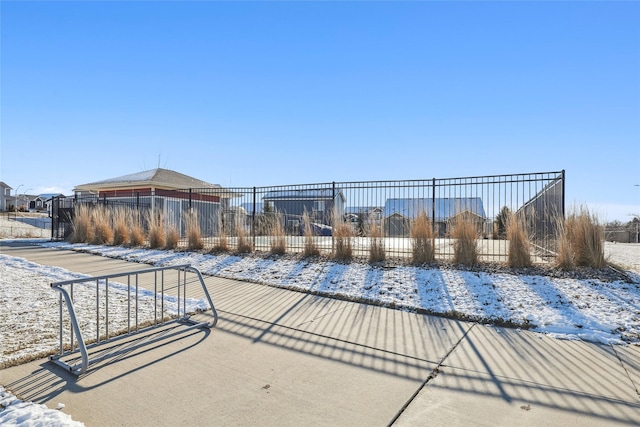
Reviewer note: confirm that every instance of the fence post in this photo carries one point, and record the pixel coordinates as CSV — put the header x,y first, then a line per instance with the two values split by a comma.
x,y
332,216
563,194
253,219
433,213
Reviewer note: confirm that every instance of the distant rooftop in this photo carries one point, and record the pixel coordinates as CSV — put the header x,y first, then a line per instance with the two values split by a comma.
x,y
445,208
156,178
303,194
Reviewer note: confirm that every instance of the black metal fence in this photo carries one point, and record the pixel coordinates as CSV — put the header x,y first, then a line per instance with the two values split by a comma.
x,y
297,215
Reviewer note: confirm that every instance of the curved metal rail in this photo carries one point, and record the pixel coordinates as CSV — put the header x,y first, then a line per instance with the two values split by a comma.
x,y
133,322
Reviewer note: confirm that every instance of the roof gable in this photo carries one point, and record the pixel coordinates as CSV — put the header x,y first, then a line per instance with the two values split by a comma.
x,y
445,208
160,178
304,194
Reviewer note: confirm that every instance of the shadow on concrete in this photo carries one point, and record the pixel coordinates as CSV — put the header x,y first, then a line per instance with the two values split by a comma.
x,y
49,380
521,368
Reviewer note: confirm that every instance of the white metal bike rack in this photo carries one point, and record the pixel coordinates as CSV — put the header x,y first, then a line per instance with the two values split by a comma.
x,y
165,285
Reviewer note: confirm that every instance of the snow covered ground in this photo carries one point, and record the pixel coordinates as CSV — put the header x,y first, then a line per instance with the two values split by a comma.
x,y
565,308
32,306
15,412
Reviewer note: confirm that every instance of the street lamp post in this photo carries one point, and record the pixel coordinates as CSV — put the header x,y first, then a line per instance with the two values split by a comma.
x,y
15,204
24,195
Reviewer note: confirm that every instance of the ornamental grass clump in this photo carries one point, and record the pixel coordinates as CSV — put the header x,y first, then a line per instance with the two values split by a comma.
x,y
564,259
465,233
516,233
136,231
81,224
101,225
581,240
342,234
310,247
376,242
172,237
194,234
121,233
278,241
156,230
422,240
221,242
244,245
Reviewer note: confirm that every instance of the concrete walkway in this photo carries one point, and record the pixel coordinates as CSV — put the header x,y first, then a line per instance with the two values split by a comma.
x,y
279,358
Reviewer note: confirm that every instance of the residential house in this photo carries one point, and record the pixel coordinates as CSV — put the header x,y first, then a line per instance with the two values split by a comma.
x,y
400,213
319,203
6,199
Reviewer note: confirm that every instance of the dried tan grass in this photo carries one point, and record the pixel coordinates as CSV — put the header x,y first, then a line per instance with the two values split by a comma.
x,y
564,259
465,249
81,224
581,240
310,247
376,242
101,226
244,244
222,242
194,234
516,233
342,234
156,230
136,231
422,240
172,238
276,231
121,233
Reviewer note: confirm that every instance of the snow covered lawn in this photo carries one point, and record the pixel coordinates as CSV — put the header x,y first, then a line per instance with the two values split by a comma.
x,y
587,309
30,312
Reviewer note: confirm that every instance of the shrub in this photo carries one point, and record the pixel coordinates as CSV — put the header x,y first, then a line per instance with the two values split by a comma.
x,y
342,236
121,234
310,247
81,224
276,231
465,233
422,240
516,234
376,242
101,226
156,230
194,235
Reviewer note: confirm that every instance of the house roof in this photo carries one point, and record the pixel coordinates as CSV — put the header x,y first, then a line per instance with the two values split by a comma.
x,y
4,185
445,208
363,209
303,194
154,178
49,196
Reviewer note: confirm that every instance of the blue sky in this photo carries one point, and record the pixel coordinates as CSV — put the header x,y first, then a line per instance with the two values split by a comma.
x,y
269,93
